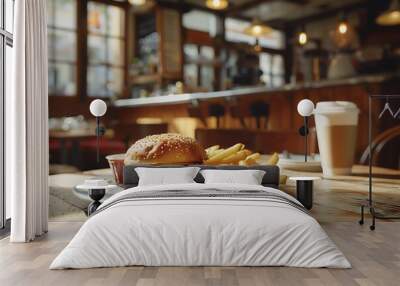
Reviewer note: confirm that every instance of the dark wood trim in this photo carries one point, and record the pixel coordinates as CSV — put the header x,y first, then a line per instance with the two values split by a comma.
x,y
159,16
253,3
186,7
111,2
108,65
73,30
288,55
327,13
197,38
125,88
245,6
108,36
204,39
82,57
182,55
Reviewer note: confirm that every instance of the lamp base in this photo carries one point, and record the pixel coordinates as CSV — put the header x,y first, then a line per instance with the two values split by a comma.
x,y
96,195
304,190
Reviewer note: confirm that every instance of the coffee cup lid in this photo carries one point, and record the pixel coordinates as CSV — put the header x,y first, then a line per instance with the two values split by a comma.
x,y
335,107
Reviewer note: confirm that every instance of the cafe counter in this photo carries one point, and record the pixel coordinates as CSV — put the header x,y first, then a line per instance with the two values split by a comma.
x,y
237,108
228,94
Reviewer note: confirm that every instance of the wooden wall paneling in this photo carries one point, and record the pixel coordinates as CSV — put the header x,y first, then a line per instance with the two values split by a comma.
x,y
82,59
225,137
198,38
168,25
288,54
61,106
283,110
164,112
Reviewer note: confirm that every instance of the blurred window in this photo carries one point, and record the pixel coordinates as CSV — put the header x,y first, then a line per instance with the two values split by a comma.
x,y
62,46
105,47
199,21
199,67
6,66
106,40
273,69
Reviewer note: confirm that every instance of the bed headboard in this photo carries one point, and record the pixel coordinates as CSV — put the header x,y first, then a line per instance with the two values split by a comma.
x,y
270,179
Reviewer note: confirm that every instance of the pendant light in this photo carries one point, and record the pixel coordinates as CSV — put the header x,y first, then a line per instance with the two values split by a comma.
x,y
137,2
302,37
343,35
343,25
257,29
257,47
390,17
217,4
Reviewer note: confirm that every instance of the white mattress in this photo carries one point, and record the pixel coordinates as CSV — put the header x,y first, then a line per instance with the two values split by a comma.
x,y
200,231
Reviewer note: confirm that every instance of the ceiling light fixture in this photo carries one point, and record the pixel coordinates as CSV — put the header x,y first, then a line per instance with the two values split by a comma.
x,y
343,27
302,37
390,17
217,4
137,2
257,29
257,47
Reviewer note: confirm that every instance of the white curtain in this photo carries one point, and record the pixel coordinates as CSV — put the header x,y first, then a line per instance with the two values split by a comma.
x,y
27,124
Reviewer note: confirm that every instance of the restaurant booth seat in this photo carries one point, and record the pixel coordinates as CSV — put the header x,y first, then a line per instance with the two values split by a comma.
x,y
55,150
125,134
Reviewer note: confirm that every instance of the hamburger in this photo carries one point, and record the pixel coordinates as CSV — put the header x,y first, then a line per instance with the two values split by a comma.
x,y
167,148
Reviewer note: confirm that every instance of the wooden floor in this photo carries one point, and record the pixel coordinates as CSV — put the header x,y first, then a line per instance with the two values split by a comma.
x,y
375,257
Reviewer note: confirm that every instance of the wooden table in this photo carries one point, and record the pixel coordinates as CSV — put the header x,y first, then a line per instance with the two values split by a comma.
x,y
339,198
73,136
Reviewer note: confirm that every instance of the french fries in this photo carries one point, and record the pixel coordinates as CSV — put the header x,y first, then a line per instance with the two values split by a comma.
x,y
217,158
212,149
282,179
235,155
235,158
274,159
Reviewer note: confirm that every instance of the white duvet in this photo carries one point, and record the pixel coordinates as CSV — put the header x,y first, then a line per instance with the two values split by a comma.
x,y
200,231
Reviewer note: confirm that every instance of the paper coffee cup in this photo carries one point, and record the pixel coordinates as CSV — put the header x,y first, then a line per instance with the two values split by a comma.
x,y
336,123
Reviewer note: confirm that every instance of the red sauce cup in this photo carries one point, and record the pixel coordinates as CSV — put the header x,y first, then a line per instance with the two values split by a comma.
x,y
116,162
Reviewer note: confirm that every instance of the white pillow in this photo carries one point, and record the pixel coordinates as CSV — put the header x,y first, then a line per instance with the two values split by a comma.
x,y
248,177
166,176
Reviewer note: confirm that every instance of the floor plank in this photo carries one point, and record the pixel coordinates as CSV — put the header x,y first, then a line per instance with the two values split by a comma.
x,y
375,257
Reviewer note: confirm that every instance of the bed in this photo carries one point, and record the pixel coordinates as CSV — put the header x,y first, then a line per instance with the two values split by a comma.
x,y
201,224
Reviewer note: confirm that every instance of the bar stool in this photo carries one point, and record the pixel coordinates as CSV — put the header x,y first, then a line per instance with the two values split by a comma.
x,y
216,110
237,113
259,110
194,110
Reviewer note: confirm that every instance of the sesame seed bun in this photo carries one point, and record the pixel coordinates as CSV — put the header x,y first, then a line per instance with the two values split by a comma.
x,y
167,148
